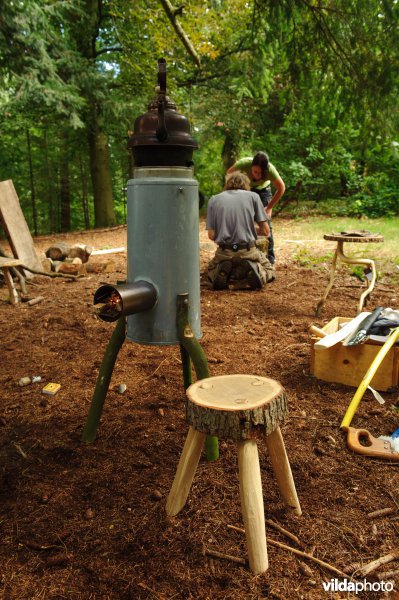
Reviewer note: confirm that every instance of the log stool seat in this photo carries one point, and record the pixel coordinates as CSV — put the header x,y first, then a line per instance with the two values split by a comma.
x,y
242,408
5,265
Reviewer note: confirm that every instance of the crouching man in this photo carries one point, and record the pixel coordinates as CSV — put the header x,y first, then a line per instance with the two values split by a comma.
x,y
235,217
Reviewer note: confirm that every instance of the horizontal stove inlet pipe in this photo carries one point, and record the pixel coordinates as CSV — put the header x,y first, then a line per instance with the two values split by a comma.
x,y
114,301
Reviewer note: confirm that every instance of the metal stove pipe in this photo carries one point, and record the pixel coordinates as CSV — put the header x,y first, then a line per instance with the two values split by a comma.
x,y
114,301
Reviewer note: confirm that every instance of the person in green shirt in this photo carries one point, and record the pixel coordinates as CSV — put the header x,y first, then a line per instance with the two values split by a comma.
x,y
262,173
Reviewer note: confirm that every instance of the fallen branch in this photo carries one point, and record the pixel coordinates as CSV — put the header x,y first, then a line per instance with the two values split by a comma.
x,y
388,575
35,301
36,272
276,526
20,450
216,554
148,589
322,563
108,251
285,532
36,546
382,512
374,564
298,553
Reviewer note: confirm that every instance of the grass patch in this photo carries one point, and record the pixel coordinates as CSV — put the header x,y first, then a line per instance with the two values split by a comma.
x,y
311,228
306,258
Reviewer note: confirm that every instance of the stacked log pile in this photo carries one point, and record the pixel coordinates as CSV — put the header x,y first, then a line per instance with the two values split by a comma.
x,y
74,260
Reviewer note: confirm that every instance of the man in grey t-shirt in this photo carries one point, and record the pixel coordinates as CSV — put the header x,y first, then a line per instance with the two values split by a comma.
x,y
234,218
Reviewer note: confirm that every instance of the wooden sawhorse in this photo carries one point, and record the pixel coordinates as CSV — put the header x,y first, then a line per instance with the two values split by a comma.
x,y
6,264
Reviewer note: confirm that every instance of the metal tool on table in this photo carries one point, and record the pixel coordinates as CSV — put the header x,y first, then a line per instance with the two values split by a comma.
x,y
360,334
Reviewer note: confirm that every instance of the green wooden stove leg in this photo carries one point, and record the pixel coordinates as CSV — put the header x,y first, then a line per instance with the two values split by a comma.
x,y
194,351
103,380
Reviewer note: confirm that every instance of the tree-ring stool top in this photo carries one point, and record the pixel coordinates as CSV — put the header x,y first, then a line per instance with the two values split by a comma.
x,y
236,407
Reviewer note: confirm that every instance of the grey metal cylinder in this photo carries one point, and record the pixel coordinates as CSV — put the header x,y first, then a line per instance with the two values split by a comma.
x,y
163,249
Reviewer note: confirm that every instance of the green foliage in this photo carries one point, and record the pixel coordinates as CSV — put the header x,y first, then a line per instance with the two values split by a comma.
x,y
378,193
313,84
378,197
310,260
210,179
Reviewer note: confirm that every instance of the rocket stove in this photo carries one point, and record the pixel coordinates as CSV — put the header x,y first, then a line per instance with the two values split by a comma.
x,y
160,300
162,228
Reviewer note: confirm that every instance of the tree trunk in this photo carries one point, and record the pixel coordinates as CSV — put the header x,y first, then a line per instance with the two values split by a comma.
x,y
104,213
65,191
49,191
230,149
32,183
85,199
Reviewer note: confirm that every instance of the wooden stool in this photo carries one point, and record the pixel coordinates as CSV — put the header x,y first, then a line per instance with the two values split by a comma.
x,y
339,254
6,264
242,408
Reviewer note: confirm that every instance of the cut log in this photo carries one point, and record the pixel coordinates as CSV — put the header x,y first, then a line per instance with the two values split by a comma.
x,y
100,267
80,251
35,301
70,269
47,265
58,251
244,406
73,261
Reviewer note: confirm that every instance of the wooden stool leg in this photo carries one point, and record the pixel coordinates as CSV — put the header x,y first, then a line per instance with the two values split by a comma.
x,y
370,284
366,262
330,283
185,472
282,470
252,505
14,298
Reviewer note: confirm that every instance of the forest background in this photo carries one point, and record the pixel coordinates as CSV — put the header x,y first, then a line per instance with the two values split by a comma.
x,y
312,82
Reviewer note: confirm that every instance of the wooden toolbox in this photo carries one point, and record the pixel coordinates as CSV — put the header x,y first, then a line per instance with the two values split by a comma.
x,y
349,364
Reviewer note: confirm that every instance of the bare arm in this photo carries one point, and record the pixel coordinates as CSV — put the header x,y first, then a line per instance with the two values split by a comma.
x,y
280,189
263,228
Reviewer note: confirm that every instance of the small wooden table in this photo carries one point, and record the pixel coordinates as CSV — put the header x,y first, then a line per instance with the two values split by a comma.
x,y
339,254
245,409
6,264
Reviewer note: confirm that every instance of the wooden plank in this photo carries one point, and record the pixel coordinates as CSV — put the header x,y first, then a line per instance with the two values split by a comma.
x,y
9,262
16,228
339,335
